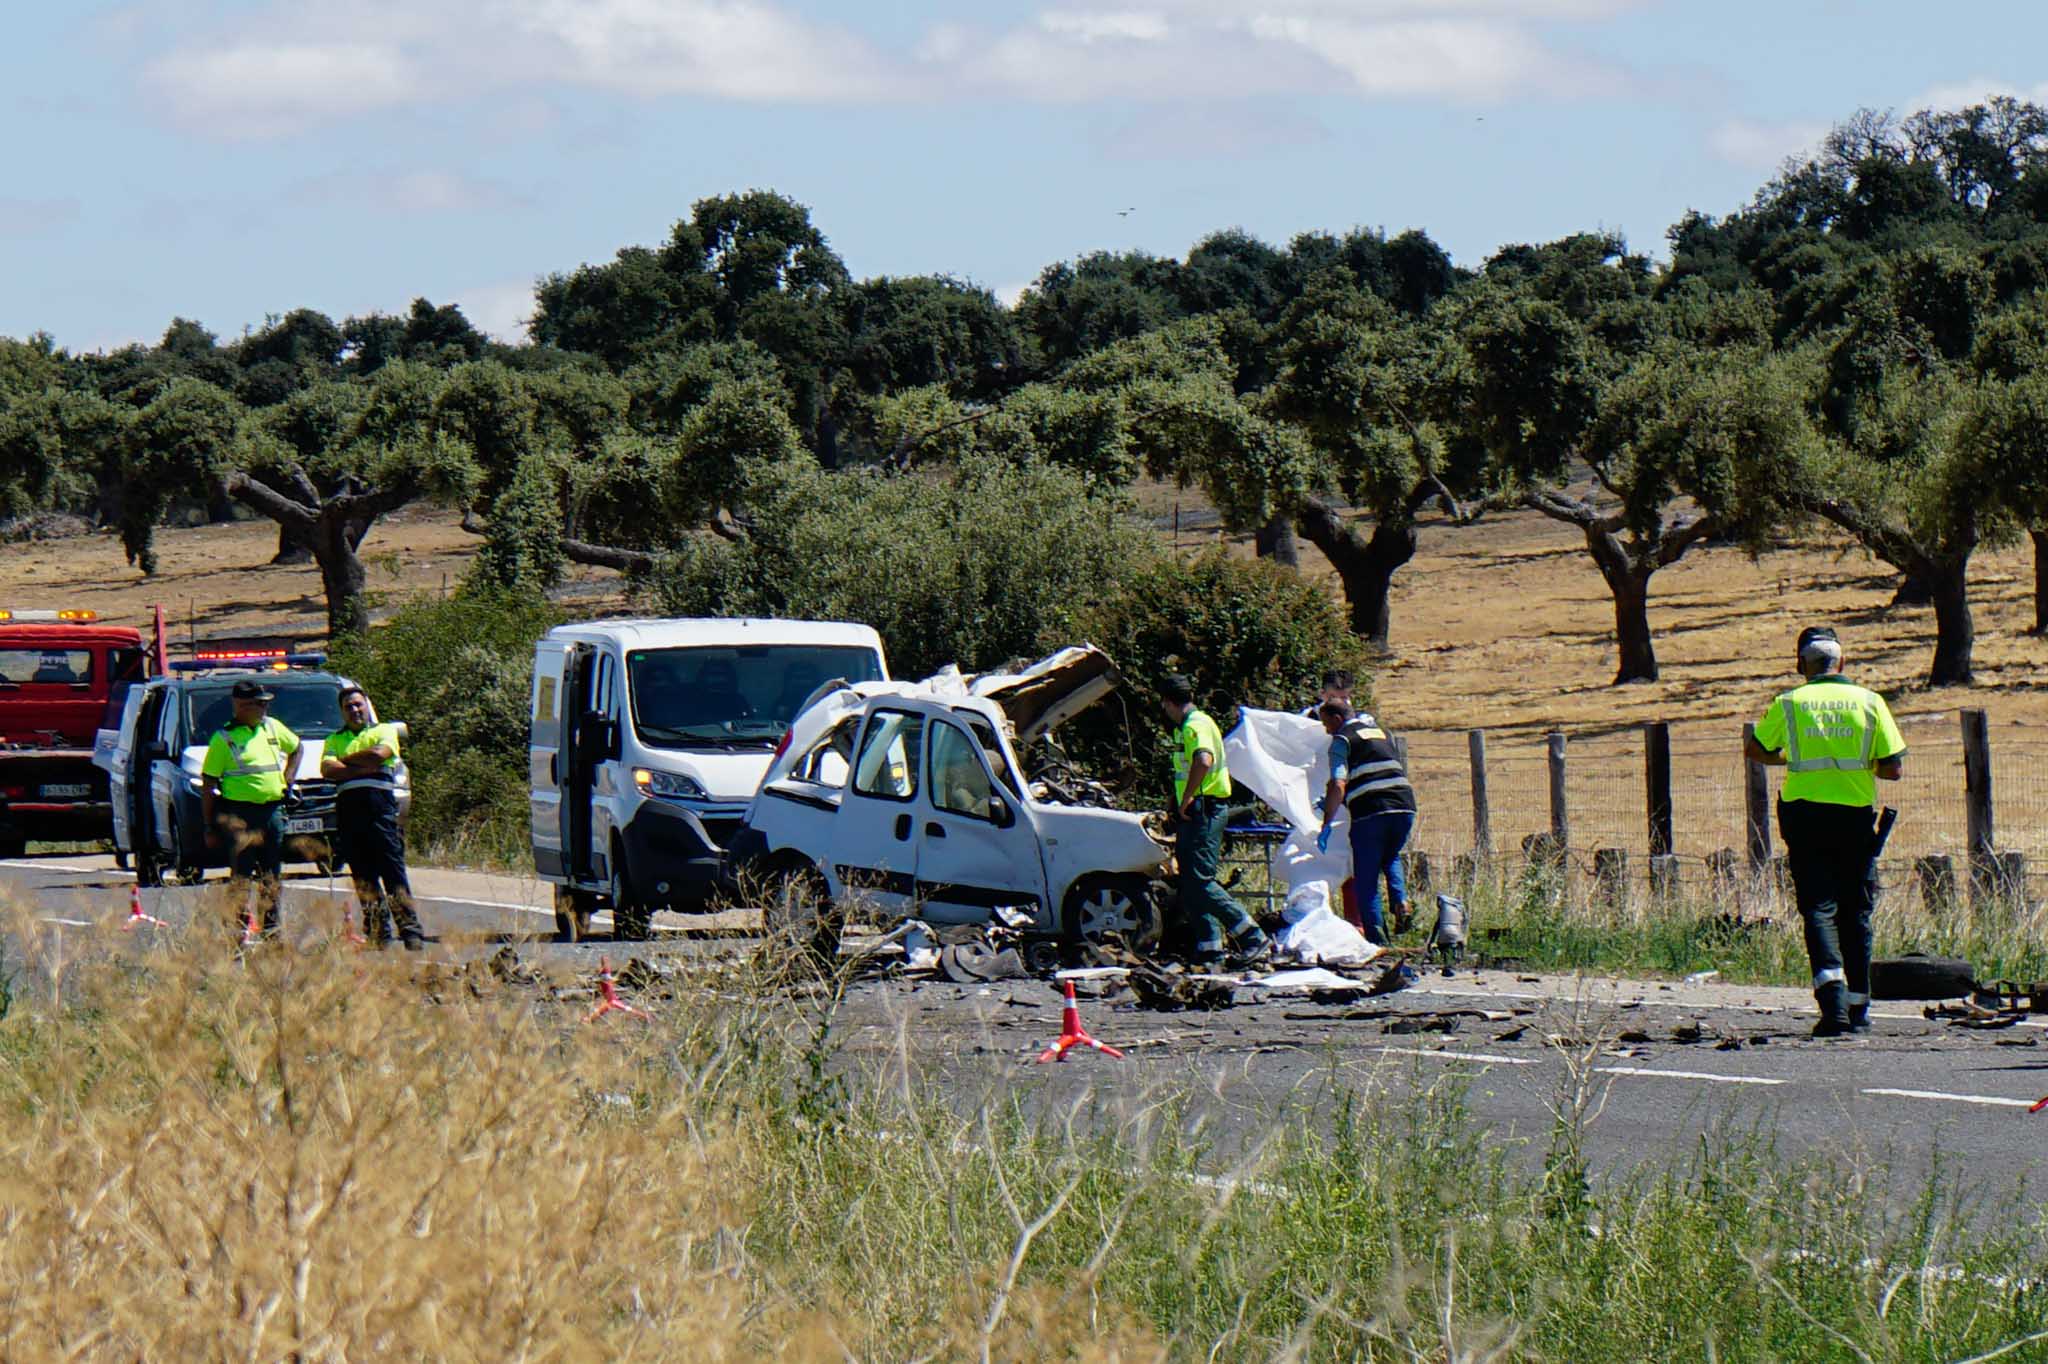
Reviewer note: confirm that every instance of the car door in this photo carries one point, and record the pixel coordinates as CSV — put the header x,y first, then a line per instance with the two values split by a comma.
x,y
134,764
582,743
123,767
977,844
543,757
874,835
161,760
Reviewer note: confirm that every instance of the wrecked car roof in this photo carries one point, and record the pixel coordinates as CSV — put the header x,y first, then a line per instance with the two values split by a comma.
x,y
1032,701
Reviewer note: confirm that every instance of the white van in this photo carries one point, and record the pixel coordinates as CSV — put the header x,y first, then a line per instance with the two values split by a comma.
x,y
649,740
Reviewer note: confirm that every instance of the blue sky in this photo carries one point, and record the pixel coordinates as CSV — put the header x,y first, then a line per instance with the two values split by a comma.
x,y
230,160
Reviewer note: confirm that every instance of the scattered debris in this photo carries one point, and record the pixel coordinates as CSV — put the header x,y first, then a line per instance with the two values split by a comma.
x,y
1172,991
977,963
1399,976
1414,1023
1701,977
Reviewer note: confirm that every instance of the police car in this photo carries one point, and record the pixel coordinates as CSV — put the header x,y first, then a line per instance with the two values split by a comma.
x,y
153,760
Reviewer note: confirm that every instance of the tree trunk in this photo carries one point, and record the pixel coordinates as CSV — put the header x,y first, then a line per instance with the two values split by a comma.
x,y
1365,567
2040,539
1955,634
293,546
343,578
1628,579
1913,590
1276,542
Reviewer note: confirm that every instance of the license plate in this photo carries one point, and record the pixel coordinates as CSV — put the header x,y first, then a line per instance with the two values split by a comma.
x,y
312,825
60,790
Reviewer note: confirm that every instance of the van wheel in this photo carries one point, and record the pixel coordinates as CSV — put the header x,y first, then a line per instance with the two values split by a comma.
x,y
149,869
798,914
572,915
1111,908
632,921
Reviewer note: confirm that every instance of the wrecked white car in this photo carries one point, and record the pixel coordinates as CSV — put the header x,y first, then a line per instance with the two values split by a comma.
x,y
898,799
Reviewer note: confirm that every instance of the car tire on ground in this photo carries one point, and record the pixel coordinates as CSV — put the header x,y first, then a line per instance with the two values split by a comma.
x,y
1106,907
572,915
798,914
632,921
1914,976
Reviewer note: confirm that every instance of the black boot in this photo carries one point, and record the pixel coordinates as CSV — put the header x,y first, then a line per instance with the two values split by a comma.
x,y
1833,999
1859,1016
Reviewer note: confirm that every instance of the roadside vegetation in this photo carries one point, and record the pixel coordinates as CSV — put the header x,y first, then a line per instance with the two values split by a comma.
x,y
321,1155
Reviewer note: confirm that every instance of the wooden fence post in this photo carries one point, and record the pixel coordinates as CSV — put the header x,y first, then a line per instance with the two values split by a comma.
x,y
1756,793
1560,818
1981,834
1657,783
1482,815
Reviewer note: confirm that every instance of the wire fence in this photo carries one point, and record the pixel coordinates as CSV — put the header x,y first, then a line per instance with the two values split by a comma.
x,y
1608,825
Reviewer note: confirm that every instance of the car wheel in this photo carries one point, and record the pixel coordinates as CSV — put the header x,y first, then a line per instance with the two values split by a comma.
x,y
13,847
1106,908
798,914
149,868
632,921
1918,977
120,860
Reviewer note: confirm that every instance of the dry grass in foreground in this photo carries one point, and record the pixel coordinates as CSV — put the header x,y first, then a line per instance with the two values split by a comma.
x,y
320,1154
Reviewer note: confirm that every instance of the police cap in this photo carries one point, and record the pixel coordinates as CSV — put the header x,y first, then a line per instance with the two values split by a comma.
x,y
248,689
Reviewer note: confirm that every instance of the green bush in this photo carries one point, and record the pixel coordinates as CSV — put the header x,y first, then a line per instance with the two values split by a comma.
x,y
1245,632
459,672
977,565
523,547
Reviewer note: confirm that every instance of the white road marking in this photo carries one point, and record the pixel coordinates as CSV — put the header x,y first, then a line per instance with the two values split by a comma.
x,y
71,923
1988,1100
1690,1075
1461,1056
64,866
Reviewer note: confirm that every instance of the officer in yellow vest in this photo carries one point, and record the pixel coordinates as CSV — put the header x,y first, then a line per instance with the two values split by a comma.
x,y
358,758
1834,739
1201,792
244,782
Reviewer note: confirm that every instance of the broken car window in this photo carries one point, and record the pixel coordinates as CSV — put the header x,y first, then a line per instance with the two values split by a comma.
x,y
889,754
960,784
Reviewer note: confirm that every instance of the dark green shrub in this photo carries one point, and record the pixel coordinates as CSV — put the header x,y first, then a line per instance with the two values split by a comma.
x,y
458,672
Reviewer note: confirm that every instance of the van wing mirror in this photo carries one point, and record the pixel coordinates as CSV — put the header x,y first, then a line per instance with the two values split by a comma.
x,y
999,812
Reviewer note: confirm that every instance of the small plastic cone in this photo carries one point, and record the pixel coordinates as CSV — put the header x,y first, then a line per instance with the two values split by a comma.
x,y
608,1001
1072,1034
249,932
135,915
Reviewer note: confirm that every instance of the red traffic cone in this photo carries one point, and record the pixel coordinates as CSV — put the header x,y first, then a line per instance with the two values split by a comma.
x,y
1072,1034
608,1001
250,933
135,915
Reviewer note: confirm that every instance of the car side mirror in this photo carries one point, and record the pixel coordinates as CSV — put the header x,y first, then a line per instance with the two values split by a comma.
x,y
999,812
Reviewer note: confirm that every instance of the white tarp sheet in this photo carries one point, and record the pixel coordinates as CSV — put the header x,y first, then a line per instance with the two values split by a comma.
x,y
1284,760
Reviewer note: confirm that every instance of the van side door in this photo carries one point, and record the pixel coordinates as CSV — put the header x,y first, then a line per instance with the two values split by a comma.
x,y
977,842
119,760
543,757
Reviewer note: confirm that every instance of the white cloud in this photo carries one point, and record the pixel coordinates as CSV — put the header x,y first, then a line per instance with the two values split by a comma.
x,y
1763,146
498,310
286,81
1962,94
1142,26
34,217
411,193
287,66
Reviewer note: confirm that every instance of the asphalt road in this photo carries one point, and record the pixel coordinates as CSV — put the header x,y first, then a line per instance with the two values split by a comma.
x,y
1662,1064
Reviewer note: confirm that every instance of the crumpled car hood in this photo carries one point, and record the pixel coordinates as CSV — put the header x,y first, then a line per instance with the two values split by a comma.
x,y
1036,699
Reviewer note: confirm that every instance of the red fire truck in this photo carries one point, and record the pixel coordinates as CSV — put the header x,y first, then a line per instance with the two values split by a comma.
x,y
61,674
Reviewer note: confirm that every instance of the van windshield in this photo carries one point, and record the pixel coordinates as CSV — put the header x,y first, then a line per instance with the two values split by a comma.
x,y
724,696
308,709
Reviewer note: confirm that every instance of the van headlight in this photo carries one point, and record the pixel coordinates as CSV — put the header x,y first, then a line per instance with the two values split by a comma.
x,y
655,782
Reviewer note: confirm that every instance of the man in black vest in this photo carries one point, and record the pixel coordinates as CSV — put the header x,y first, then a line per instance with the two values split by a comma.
x,y
1366,777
